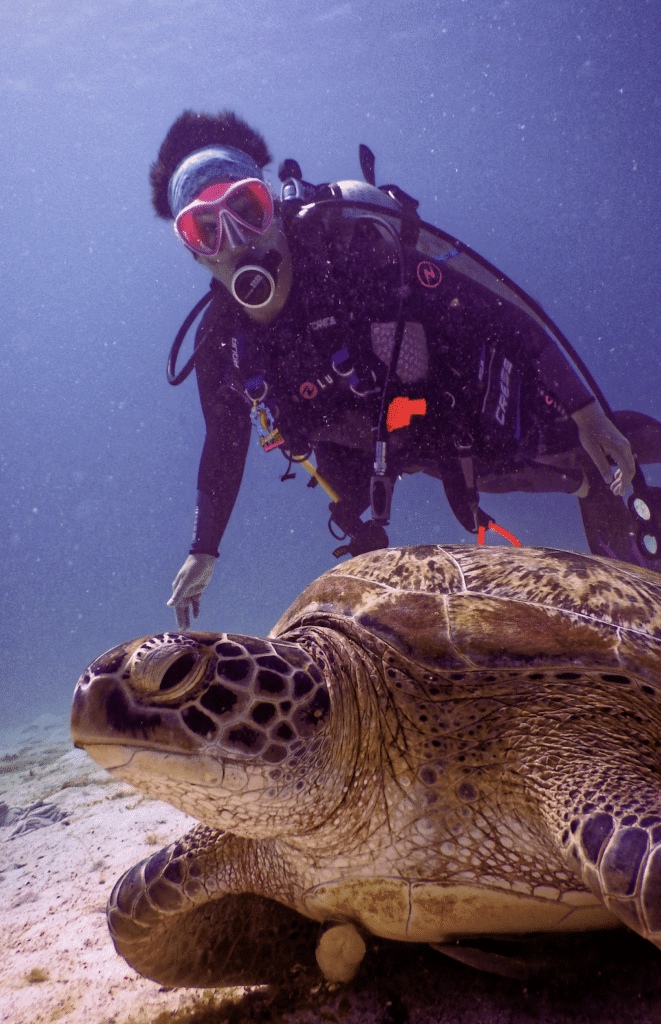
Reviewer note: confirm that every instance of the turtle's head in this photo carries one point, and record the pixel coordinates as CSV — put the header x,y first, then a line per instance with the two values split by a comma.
x,y
203,719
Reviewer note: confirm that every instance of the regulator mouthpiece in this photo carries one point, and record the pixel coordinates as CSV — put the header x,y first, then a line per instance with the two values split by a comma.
x,y
253,283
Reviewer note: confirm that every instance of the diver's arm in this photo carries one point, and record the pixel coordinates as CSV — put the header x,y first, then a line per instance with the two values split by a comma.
x,y
219,479
598,435
221,469
606,446
227,420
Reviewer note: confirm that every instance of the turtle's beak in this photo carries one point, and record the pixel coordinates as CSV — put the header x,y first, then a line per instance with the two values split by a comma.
x,y
104,713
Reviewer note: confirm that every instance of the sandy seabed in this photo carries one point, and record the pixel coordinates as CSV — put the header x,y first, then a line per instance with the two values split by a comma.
x,y
58,963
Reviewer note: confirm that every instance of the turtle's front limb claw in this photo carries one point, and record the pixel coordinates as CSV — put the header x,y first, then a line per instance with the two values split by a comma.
x,y
481,960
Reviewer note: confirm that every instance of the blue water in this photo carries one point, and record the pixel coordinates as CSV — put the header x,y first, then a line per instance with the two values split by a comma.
x,y
530,131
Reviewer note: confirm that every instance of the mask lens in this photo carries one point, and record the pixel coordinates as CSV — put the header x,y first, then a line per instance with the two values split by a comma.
x,y
247,203
197,232
252,206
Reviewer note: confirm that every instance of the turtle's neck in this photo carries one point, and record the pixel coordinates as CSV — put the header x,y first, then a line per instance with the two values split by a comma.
x,y
347,793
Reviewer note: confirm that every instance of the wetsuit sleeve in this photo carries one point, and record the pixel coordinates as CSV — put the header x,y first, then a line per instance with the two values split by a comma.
x,y
227,419
221,469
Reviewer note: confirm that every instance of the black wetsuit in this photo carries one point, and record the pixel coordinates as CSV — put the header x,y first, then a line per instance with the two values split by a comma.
x,y
495,386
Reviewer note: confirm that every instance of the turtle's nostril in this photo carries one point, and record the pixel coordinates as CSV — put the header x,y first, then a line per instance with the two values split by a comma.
x,y
178,671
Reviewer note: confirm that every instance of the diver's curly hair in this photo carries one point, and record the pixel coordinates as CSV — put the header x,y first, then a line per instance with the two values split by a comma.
x,y
191,132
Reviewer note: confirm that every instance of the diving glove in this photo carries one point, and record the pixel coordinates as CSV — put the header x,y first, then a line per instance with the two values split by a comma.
x,y
189,586
606,446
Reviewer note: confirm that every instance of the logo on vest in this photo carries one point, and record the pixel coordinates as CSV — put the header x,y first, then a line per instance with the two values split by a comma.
x,y
503,398
328,321
428,274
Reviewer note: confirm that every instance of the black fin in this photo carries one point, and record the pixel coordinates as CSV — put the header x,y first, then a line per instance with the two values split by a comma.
x,y
367,161
609,526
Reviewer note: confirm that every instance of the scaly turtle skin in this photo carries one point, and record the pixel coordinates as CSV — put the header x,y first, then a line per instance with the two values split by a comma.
x,y
434,744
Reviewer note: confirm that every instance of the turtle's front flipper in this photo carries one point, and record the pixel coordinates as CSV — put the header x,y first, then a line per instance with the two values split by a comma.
x,y
606,819
595,778
173,920
619,858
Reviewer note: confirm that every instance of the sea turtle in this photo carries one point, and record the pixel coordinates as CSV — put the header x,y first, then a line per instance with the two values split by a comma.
x,y
434,744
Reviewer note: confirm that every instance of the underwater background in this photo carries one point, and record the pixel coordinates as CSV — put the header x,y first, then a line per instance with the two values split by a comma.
x,y
531,132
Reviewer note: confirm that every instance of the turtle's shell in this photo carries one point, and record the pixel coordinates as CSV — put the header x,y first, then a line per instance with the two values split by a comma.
x,y
477,606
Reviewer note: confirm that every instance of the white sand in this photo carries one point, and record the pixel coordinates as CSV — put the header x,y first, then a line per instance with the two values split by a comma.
x,y
55,882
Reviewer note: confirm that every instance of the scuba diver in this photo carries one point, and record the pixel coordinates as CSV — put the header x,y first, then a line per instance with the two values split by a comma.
x,y
341,326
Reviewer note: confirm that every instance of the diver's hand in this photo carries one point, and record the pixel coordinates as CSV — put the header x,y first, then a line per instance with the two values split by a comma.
x,y
602,440
188,587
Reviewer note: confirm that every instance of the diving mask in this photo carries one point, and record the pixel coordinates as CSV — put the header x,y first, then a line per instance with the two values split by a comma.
x,y
225,213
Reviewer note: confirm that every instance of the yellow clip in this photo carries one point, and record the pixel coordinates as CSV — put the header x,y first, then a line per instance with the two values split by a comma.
x,y
332,494
275,438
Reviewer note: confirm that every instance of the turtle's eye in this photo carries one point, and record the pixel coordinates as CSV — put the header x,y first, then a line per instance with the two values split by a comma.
x,y
167,667
178,672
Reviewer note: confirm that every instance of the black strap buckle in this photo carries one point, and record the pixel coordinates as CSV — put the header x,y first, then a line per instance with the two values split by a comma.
x,y
360,536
